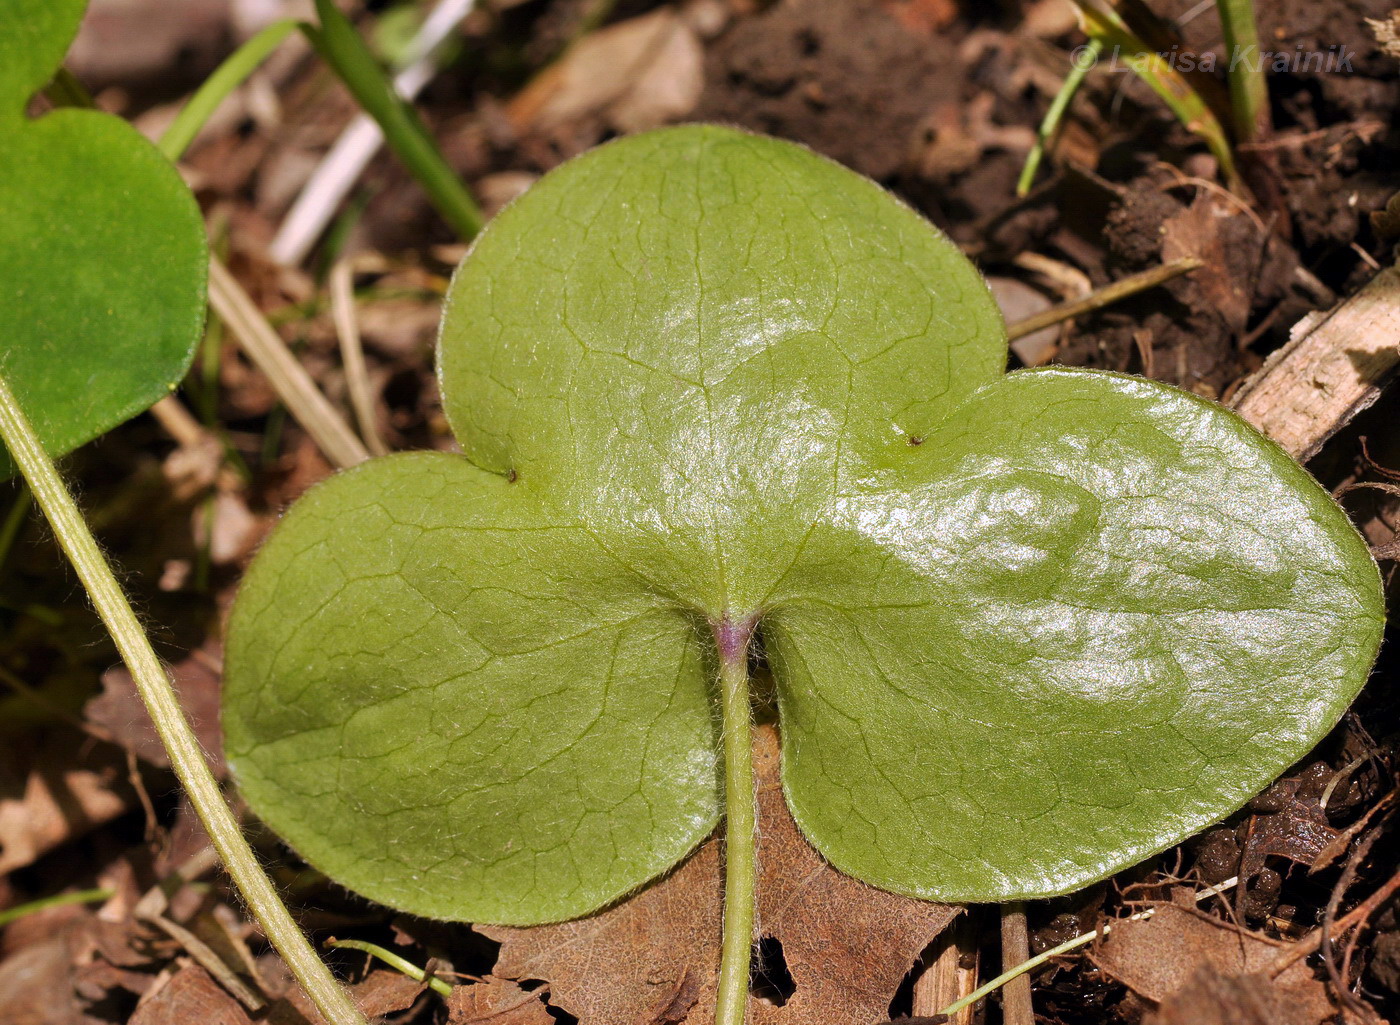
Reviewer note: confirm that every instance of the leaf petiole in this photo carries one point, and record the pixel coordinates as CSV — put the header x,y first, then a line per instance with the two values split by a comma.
x,y
186,756
740,829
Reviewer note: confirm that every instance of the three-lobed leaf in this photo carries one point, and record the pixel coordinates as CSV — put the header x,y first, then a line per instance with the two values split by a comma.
x,y
1025,629
102,251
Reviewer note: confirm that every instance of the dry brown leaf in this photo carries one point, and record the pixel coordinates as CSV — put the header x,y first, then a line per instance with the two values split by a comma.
x,y
120,711
1017,301
55,791
637,74
1387,32
1196,231
34,986
1289,821
1210,998
230,530
1161,958
925,16
630,963
97,980
190,997
136,41
385,992
654,958
497,1001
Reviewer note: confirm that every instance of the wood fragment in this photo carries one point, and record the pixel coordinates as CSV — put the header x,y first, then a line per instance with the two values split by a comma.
x,y
951,974
1016,1006
1333,367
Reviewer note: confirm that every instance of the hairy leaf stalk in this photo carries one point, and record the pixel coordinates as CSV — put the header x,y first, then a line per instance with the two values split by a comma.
x,y
740,829
186,757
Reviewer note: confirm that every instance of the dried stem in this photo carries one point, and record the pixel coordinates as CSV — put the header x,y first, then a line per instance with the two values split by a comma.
x,y
180,424
352,353
1105,296
1082,940
289,378
1015,949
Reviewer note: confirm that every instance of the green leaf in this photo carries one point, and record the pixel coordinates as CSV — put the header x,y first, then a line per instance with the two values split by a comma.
x,y
1026,629
34,36
460,723
1100,615
102,251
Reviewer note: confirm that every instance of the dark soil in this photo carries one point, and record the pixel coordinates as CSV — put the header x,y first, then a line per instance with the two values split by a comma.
x,y
847,79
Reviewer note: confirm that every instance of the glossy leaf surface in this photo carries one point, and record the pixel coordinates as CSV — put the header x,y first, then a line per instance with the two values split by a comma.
x,y
102,252
1026,629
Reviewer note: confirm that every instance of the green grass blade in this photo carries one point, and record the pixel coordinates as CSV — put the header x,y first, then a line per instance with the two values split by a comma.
x,y
1163,79
1080,65
1249,89
227,77
58,900
342,48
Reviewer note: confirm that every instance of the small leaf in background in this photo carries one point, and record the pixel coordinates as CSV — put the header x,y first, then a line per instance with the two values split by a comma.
x,y
1026,629
632,75
102,250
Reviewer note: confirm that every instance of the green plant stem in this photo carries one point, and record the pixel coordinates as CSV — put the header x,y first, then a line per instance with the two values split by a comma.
x,y
227,77
186,757
58,900
393,960
741,826
1249,89
66,91
342,48
1079,68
